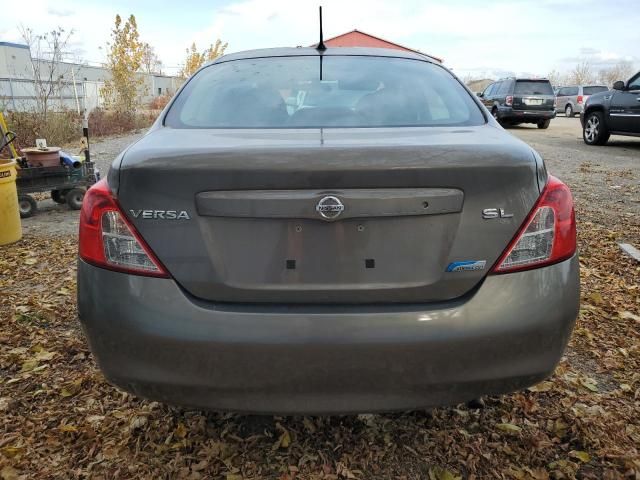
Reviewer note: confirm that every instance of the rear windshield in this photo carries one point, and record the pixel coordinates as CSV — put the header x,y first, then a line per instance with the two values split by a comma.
x,y
533,87
593,90
335,91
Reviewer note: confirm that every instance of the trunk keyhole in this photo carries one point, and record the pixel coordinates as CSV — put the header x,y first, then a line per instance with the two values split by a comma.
x,y
369,263
425,204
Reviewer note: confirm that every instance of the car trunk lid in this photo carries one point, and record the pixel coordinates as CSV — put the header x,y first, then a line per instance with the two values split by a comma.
x,y
412,202
533,95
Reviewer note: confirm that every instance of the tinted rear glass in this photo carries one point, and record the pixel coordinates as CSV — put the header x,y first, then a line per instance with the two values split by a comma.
x,y
354,91
593,90
532,87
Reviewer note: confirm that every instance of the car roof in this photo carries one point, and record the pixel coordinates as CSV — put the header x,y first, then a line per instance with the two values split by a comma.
x,y
522,79
309,51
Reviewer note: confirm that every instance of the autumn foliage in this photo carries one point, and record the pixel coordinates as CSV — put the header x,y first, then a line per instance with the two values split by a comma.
x,y
196,59
124,61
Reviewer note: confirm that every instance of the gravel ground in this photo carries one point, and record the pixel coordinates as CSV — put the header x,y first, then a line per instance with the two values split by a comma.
x,y
604,180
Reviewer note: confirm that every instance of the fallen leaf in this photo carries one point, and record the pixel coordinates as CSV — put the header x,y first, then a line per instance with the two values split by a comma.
x,y
29,365
9,473
596,297
508,427
71,389
438,473
589,383
180,431
138,421
580,455
68,428
625,315
541,387
43,355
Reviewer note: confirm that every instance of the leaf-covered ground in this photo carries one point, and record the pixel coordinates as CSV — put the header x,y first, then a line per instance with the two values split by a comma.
x,y
60,419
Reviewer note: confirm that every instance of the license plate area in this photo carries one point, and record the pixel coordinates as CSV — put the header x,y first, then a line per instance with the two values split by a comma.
x,y
532,101
356,253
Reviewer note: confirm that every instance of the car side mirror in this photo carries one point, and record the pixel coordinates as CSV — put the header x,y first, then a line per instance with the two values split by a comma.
x,y
619,85
480,94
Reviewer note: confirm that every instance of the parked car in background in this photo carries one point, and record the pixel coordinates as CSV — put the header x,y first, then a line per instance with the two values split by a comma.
x,y
570,100
615,112
513,101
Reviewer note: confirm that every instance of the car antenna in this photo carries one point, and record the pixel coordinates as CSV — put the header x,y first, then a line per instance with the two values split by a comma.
x,y
321,46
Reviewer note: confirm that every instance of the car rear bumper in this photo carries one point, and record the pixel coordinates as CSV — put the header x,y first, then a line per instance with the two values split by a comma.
x,y
508,113
151,338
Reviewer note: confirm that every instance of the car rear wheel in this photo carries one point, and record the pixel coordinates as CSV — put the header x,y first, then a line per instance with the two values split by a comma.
x,y
544,124
568,111
27,205
595,131
74,198
494,112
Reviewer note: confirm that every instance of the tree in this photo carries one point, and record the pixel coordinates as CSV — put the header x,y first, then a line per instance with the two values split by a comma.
x,y
621,71
47,67
215,50
195,59
150,62
124,61
556,78
582,74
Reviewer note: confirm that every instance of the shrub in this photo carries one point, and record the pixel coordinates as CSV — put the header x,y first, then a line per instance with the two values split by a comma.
x,y
62,128
59,128
106,122
158,103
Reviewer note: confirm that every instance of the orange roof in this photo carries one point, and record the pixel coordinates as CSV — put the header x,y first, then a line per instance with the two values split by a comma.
x,y
356,38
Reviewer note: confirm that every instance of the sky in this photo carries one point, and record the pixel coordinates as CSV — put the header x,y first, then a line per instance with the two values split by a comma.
x,y
476,39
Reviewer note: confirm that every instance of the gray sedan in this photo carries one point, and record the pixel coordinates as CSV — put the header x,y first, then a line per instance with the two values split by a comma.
x,y
326,232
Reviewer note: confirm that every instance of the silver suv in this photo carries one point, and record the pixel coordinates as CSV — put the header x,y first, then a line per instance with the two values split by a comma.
x,y
571,100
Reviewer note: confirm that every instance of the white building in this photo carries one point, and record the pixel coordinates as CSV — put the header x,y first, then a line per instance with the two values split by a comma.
x,y
77,85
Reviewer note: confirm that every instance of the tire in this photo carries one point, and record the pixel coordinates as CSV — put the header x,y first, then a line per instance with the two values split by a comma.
x,y
74,198
595,132
58,196
494,113
544,124
568,111
28,206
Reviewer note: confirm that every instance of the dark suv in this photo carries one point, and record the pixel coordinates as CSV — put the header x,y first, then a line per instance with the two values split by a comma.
x,y
512,101
615,112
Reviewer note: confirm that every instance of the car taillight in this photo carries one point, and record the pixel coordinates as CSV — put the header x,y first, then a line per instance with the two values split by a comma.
x,y
547,236
509,100
580,99
108,240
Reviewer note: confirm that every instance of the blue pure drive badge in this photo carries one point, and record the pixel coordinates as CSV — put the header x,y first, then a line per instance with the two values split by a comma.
x,y
466,266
